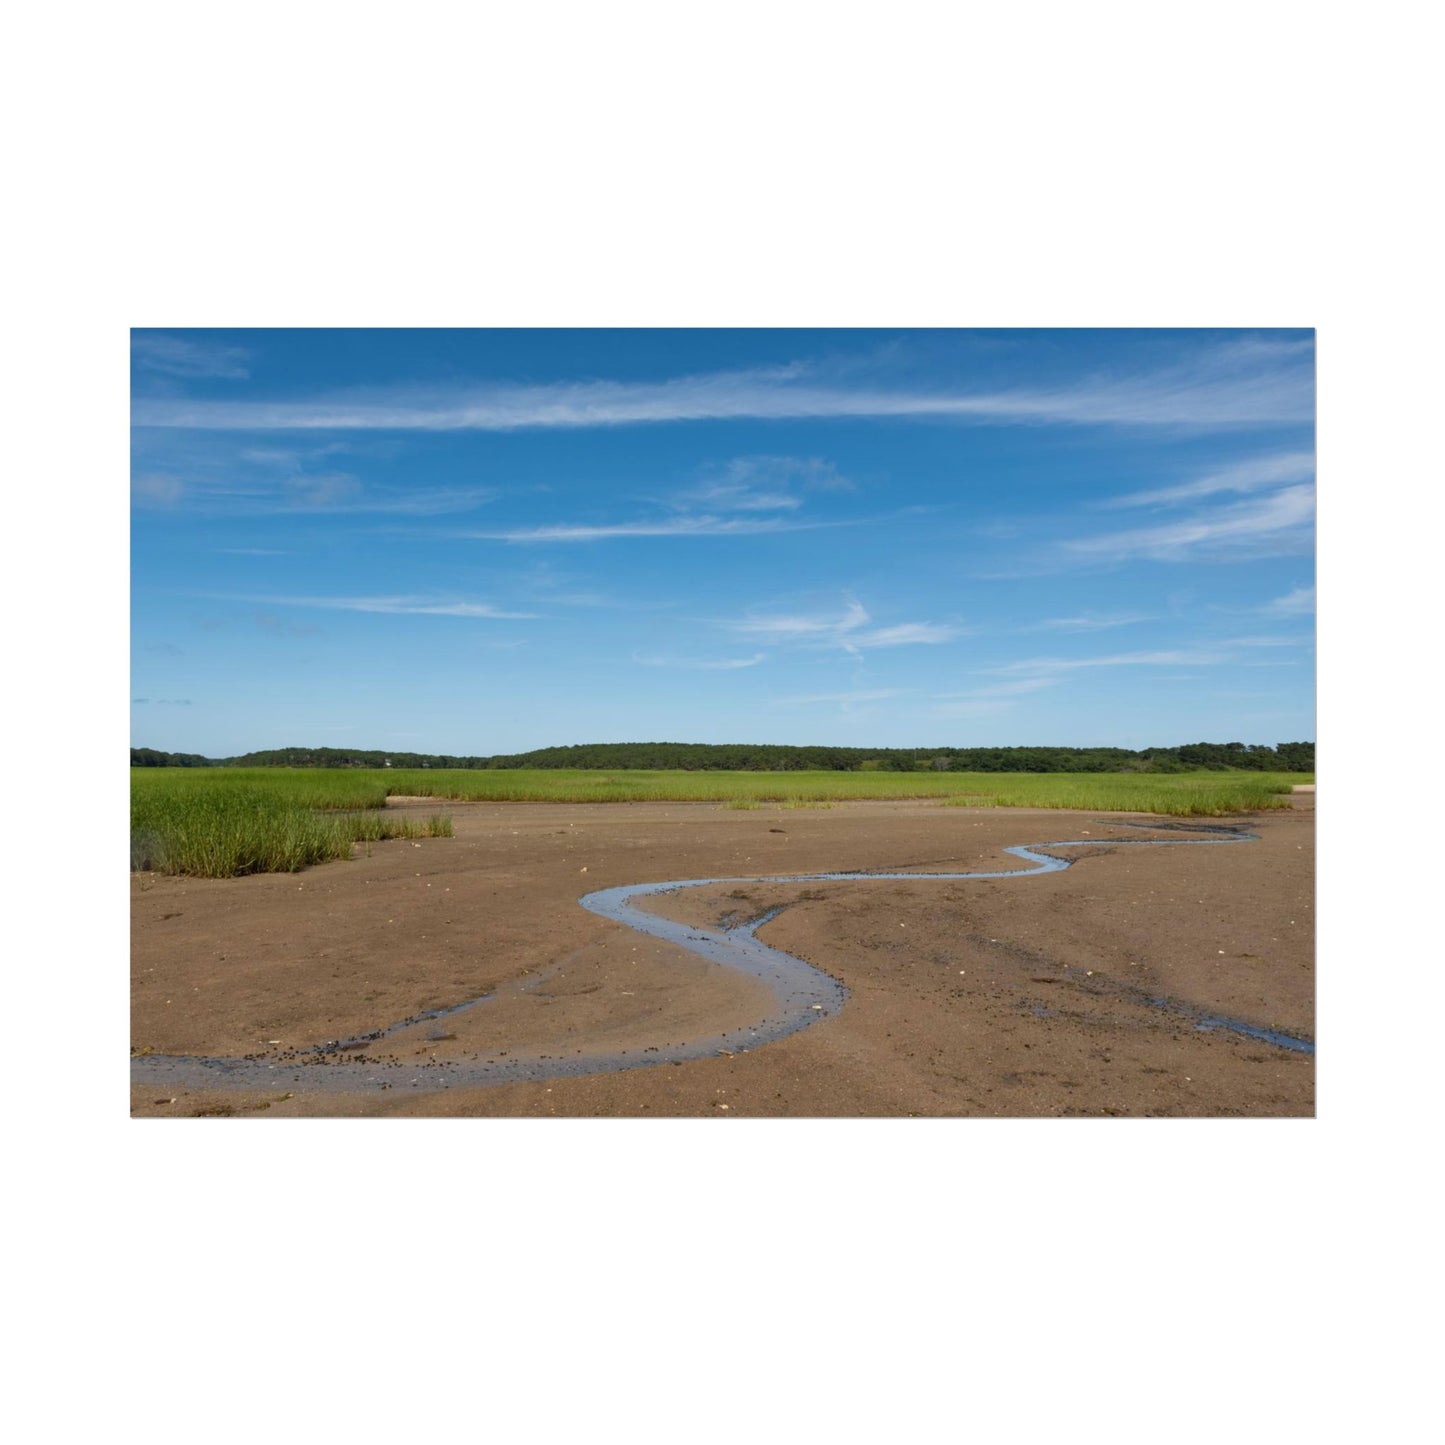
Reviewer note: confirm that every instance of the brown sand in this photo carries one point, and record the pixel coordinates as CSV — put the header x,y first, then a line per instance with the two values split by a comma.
x,y
1005,997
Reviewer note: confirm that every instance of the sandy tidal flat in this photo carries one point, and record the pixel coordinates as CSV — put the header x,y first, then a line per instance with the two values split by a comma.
x,y
1073,993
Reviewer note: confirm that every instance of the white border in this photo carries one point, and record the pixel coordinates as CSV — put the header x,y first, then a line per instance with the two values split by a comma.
x,y
1115,164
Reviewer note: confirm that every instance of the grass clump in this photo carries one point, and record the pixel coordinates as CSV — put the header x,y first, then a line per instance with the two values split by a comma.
x,y
219,827
227,831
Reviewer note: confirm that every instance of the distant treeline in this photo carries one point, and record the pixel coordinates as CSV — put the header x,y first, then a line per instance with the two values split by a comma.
x,y
772,758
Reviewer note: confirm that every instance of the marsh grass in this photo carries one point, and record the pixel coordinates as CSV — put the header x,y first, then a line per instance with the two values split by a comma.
x,y
1177,795
218,822
1180,794
221,827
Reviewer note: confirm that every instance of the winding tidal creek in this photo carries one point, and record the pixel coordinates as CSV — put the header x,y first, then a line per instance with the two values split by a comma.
x,y
802,995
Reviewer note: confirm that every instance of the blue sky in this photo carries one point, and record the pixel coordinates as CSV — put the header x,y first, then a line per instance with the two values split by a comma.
x,y
487,541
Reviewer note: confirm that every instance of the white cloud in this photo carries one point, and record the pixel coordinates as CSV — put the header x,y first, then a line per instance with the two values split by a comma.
x,y
845,698
847,629
1047,665
321,492
726,664
157,489
217,475
404,606
332,494
1248,476
1234,385
178,356
795,628
1270,641
904,634
736,497
1299,603
1275,524
1036,674
747,497
761,484
302,492
1088,622
1000,689
686,526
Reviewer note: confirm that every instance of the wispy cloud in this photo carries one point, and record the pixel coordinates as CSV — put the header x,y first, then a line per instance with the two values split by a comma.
x,y
1035,674
1087,622
686,526
157,489
1239,384
313,492
761,484
321,495
215,475
903,634
1166,658
1255,474
284,626
1271,640
786,627
180,356
403,606
848,630
1299,603
736,497
1273,525
747,497
989,700
1018,688
846,699
724,664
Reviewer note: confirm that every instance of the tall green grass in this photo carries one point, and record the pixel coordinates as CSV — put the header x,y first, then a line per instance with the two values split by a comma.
x,y
1184,794
1203,795
221,827
217,822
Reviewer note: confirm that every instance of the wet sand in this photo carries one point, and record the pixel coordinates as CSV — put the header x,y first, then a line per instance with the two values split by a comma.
x,y
1012,997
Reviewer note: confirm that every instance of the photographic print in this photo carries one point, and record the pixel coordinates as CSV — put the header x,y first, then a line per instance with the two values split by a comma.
x,y
723,723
